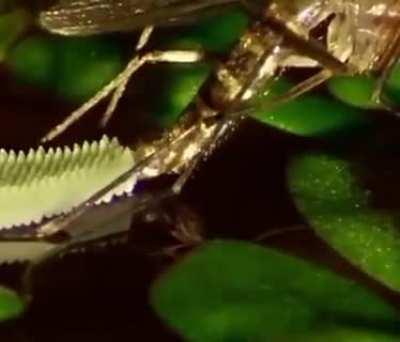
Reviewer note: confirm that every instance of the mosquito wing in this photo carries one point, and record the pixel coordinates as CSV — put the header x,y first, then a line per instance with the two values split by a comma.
x,y
86,17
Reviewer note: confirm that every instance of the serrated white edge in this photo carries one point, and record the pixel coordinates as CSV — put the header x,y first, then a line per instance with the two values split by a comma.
x,y
19,156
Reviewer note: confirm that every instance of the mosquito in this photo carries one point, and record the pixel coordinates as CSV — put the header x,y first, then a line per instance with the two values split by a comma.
x,y
361,38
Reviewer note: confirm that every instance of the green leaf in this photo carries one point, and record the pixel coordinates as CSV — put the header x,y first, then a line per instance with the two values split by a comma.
x,y
86,65
329,195
181,84
32,61
392,86
356,91
345,335
12,25
11,305
218,33
236,291
310,115
75,68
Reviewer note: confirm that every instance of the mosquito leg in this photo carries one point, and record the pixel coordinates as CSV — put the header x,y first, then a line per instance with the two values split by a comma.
x,y
309,47
173,56
388,63
281,231
118,83
133,66
144,37
218,131
303,87
296,91
116,96
119,91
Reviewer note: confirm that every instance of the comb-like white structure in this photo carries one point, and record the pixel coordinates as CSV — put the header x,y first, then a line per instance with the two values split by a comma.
x,y
41,184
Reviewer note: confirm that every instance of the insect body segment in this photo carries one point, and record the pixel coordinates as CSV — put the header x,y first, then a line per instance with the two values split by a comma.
x,y
358,33
361,32
362,37
280,38
263,52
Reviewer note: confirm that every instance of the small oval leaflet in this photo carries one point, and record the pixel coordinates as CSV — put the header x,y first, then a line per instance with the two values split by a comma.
x,y
237,291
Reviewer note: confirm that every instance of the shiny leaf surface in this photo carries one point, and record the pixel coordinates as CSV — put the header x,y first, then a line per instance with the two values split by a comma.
x,y
236,291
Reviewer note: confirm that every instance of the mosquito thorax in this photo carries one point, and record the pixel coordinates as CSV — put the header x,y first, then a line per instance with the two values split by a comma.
x,y
246,70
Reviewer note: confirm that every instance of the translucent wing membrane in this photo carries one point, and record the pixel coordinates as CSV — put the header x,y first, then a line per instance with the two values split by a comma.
x,y
85,17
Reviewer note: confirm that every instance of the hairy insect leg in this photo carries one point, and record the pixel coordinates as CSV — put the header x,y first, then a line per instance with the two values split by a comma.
x,y
218,129
118,84
309,47
144,37
293,93
119,91
301,88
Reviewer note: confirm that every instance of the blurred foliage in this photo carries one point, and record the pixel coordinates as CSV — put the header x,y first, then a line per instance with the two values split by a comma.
x,y
310,115
73,68
12,25
215,34
236,291
357,90
181,85
11,305
328,193
392,87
